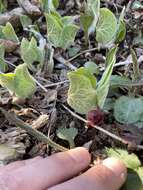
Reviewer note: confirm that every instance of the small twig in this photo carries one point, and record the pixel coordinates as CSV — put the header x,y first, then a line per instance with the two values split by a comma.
x,y
77,55
36,134
56,84
9,63
40,85
100,128
65,62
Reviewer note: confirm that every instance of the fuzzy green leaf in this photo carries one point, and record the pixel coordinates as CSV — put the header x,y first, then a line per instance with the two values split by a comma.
x,y
9,33
121,32
25,21
106,27
81,94
134,180
54,29
117,81
3,6
86,21
68,134
49,5
68,35
103,84
67,20
135,171
7,81
93,8
31,53
90,17
128,109
25,85
60,32
3,65
92,67
130,160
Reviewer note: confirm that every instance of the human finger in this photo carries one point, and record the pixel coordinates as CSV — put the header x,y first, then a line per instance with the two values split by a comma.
x,y
48,172
110,175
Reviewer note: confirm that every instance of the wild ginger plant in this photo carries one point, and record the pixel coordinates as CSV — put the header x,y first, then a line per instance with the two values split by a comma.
x,y
19,83
61,31
85,93
102,22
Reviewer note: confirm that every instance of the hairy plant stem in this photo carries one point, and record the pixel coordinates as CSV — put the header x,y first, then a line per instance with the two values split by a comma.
x,y
113,136
33,132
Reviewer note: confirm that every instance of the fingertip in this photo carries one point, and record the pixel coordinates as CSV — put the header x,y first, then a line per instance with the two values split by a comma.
x,y
117,167
80,154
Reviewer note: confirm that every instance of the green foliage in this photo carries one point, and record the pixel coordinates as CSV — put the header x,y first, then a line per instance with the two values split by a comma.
x,y
128,109
135,170
49,5
7,81
121,28
106,27
68,134
84,93
130,160
117,81
121,32
104,83
86,21
21,83
31,53
3,6
104,22
9,33
25,21
90,16
25,85
92,67
3,65
61,32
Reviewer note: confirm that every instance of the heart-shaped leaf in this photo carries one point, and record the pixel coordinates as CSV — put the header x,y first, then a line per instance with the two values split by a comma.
x,y
68,35
68,134
128,109
60,31
9,33
30,52
25,85
7,81
92,67
119,81
81,94
54,29
106,27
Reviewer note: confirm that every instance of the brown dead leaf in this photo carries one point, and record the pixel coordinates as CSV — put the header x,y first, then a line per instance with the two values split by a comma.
x,y
29,8
9,45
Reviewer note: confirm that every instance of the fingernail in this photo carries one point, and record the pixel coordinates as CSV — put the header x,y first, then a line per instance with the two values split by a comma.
x,y
117,167
80,155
